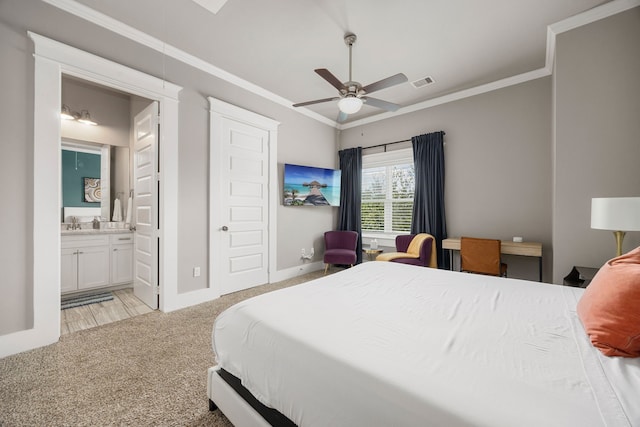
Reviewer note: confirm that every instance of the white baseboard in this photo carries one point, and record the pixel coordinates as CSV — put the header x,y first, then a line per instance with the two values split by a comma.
x,y
292,272
17,342
188,299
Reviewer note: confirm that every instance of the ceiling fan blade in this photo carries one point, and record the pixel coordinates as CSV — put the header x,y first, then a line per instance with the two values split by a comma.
x,y
342,117
379,103
317,101
333,80
385,83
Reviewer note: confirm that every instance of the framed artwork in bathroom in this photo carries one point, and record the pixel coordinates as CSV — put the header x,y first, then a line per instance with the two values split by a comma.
x,y
92,192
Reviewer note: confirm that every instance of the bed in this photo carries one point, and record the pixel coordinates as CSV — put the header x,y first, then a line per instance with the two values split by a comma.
x,y
384,344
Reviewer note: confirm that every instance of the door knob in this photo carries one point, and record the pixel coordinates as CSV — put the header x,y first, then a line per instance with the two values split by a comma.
x,y
225,228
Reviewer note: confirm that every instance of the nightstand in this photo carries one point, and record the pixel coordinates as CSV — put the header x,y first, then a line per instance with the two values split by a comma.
x,y
580,277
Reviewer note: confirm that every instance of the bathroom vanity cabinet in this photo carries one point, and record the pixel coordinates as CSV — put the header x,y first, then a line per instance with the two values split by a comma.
x,y
121,246
90,261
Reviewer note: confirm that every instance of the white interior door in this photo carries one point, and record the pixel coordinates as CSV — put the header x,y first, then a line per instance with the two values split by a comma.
x,y
244,207
145,161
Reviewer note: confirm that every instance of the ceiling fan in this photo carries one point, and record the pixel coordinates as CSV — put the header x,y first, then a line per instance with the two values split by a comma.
x,y
353,94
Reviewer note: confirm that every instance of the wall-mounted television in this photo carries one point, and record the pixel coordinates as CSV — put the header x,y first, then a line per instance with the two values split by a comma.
x,y
311,186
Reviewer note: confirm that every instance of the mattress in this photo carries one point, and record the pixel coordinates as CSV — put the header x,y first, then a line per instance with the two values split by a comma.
x,y
390,344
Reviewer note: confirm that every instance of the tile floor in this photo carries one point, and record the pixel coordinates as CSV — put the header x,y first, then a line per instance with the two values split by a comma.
x,y
123,305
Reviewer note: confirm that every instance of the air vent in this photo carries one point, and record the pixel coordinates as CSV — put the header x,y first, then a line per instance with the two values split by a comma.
x,y
423,82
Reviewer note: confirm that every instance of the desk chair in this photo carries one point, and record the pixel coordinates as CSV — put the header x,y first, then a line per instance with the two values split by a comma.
x,y
481,256
340,248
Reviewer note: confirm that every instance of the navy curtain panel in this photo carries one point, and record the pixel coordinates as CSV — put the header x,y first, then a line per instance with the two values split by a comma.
x,y
351,194
428,200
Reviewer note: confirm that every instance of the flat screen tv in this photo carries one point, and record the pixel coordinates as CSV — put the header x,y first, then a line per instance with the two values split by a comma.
x,y
311,186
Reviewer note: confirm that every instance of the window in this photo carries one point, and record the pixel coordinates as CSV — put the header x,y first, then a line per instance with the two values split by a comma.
x,y
388,184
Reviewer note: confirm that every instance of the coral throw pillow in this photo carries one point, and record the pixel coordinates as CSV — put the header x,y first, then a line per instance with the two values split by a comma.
x,y
610,307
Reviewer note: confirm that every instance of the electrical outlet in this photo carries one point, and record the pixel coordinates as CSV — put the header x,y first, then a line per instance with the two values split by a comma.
x,y
196,271
304,254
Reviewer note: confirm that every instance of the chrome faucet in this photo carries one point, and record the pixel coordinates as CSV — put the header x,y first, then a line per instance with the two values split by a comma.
x,y
75,225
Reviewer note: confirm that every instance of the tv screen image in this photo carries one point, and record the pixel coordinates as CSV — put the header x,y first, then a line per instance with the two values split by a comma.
x,y
311,186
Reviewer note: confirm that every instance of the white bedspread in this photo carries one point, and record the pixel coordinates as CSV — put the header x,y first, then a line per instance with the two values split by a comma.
x,y
387,344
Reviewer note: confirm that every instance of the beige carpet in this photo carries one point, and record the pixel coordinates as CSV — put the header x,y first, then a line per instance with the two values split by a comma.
x,y
147,370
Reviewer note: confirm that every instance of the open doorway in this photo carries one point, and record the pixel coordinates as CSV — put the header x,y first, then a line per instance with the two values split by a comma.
x,y
52,61
106,265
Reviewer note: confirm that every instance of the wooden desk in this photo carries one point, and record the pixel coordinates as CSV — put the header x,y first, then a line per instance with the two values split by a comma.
x,y
507,247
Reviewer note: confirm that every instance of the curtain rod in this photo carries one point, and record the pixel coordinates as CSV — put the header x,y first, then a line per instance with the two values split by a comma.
x,y
385,144
391,143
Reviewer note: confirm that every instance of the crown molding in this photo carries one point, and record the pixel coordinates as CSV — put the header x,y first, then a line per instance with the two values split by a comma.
x,y
477,90
81,11
584,18
592,15
587,17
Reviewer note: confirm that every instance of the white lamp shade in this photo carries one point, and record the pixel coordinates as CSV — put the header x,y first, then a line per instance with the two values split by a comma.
x,y
615,213
350,104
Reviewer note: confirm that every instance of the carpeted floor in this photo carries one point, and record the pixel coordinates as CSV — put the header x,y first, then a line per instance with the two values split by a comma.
x,y
147,370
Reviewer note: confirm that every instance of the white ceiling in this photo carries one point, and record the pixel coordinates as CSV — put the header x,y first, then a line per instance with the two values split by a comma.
x,y
276,44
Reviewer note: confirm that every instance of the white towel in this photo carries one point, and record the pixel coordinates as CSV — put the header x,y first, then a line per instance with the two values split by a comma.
x,y
117,211
128,220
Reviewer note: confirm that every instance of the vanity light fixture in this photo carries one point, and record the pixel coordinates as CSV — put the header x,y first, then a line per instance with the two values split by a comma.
x,y
66,113
82,117
85,118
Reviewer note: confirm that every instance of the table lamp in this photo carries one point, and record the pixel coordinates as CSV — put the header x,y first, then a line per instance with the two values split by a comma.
x,y
618,214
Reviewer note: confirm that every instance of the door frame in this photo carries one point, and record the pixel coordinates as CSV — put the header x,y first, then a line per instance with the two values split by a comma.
x,y
52,60
218,110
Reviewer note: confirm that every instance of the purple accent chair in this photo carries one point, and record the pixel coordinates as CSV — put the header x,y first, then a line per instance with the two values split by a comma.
x,y
340,248
402,244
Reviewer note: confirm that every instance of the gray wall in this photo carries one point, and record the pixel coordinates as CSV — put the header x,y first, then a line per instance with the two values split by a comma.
x,y
16,174
108,108
301,140
497,164
526,160
597,138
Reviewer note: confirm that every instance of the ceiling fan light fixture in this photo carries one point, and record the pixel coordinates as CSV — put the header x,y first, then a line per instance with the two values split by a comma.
x,y
350,104
351,93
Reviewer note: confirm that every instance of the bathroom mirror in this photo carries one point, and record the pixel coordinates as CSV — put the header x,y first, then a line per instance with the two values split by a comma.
x,y
92,177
